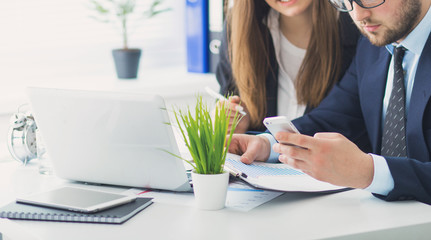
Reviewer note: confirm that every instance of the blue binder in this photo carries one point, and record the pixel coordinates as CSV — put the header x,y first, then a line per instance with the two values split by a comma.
x,y
197,35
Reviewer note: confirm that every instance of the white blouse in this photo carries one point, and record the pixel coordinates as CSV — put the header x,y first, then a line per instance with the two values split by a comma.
x,y
289,58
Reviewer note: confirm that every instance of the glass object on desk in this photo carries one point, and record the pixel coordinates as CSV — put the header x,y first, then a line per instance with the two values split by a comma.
x,y
45,166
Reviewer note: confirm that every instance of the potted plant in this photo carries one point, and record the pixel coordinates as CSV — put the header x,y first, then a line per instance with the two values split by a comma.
x,y
119,12
207,139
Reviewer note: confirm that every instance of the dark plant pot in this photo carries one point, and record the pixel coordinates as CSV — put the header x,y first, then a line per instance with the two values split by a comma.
x,y
126,62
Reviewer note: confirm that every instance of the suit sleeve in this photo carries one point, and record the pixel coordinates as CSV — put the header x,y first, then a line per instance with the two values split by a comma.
x,y
412,180
339,112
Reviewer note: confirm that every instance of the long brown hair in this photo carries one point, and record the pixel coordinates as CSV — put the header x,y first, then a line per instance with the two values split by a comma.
x,y
249,54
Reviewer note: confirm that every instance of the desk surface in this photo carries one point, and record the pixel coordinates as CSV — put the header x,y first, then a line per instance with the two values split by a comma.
x,y
354,214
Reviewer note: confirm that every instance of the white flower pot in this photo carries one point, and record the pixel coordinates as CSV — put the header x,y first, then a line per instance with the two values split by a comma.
x,y
210,190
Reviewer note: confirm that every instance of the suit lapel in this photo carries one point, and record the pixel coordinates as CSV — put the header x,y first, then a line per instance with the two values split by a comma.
x,y
421,92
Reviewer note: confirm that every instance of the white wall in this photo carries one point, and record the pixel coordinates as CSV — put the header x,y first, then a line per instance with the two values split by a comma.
x,y
42,41
56,43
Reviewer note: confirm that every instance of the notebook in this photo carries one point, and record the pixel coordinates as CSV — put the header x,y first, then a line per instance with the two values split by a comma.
x,y
116,138
276,176
117,215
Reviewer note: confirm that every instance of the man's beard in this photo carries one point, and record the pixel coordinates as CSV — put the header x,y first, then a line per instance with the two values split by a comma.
x,y
408,17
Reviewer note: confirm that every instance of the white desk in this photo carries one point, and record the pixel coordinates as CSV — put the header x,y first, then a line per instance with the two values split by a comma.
x,y
352,214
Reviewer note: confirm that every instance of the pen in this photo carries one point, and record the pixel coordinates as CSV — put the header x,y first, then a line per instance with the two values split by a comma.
x,y
234,172
218,96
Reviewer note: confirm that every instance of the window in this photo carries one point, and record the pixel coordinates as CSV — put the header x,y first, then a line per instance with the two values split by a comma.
x,y
43,41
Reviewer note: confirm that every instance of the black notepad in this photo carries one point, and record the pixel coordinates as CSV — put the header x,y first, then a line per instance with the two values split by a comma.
x,y
112,215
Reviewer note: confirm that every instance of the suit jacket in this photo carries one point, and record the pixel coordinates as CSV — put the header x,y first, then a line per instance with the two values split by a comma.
x,y
349,37
354,108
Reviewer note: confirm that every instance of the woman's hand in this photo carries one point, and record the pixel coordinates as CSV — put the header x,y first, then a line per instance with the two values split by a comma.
x,y
234,104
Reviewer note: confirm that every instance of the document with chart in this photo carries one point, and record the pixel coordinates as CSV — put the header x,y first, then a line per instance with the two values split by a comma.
x,y
276,176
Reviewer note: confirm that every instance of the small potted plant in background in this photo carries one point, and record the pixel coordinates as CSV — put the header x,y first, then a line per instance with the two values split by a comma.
x,y
119,12
207,139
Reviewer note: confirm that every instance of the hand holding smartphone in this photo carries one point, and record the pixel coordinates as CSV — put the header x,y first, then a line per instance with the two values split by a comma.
x,y
279,123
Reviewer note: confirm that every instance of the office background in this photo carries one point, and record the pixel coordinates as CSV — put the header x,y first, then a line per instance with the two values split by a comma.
x,y
56,44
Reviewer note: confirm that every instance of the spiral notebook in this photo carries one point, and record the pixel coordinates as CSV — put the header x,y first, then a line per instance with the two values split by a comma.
x,y
117,215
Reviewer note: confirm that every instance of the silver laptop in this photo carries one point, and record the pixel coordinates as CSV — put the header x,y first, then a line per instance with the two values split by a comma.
x,y
109,137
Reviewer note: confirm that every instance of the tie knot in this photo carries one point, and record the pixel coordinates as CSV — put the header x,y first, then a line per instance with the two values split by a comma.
x,y
399,52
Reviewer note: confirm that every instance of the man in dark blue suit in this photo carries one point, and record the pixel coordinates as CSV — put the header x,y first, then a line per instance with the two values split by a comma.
x,y
381,106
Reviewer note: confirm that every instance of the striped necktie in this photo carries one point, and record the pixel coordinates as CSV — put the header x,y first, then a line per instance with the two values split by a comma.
x,y
394,129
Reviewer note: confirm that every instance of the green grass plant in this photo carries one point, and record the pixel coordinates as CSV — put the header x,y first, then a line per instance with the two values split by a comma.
x,y
206,137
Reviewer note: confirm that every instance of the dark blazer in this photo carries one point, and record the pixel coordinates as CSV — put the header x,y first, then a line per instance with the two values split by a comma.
x,y
349,37
354,109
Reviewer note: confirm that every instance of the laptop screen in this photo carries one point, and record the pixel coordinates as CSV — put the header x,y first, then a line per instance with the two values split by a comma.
x,y
118,138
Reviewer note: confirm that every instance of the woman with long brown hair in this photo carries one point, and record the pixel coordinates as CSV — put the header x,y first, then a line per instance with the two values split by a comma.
x,y
281,57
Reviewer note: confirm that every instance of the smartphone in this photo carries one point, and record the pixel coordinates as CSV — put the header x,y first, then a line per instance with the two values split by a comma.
x,y
76,199
279,123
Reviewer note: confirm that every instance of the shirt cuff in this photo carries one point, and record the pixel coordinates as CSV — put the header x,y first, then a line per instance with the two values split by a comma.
x,y
383,181
273,156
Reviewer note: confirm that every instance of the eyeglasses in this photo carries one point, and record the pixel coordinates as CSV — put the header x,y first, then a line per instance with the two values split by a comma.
x,y
347,5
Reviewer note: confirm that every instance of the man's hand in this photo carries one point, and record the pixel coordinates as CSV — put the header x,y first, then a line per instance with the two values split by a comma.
x,y
328,157
250,147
